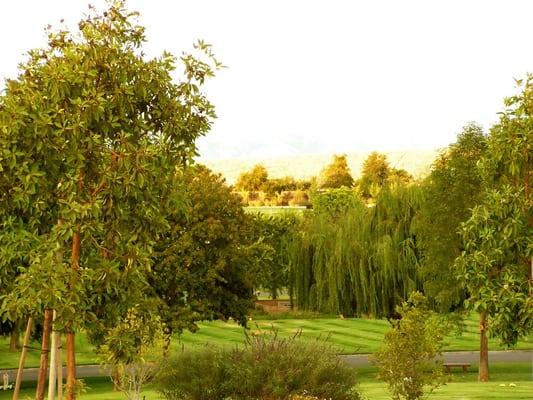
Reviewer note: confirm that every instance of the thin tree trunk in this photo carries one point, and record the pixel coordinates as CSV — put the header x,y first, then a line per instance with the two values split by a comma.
x,y
483,349
531,279
59,367
45,349
53,363
71,354
22,360
14,341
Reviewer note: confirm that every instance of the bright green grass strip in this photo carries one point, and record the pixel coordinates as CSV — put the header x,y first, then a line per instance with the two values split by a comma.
x,y
459,391
272,210
97,389
348,335
84,353
464,386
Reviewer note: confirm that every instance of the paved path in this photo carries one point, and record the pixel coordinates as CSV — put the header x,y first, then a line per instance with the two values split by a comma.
x,y
472,357
357,360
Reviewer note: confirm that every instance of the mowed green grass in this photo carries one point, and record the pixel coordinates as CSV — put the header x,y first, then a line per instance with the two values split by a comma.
x,y
272,210
84,353
463,386
507,381
348,336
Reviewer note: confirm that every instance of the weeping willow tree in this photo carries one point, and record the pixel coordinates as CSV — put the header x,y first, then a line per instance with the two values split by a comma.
x,y
353,259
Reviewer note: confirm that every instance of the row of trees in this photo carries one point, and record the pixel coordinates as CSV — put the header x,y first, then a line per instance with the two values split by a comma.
x,y
376,172
463,233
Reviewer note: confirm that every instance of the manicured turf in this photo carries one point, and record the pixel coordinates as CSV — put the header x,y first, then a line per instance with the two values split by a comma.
x,y
348,335
508,381
267,210
84,353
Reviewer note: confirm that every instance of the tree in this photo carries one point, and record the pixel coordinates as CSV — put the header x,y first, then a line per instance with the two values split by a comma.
x,y
452,188
408,360
337,174
276,233
374,174
498,237
204,264
128,347
352,259
252,180
400,176
91,136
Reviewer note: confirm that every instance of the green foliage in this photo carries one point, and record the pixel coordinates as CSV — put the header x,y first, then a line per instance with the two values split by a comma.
x,y
352,259
129,346
266,368
408,360
494,264
498,237
204,264
92,137
336,201
337,174
275,233
374,174
453,187
252,180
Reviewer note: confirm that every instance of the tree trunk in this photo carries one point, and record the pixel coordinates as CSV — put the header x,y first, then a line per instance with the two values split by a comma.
x,y
71,367
483,349
45,349
71,355
53,363
18,380
14,341
59,367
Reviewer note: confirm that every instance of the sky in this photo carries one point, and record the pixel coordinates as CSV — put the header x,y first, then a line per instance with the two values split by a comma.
x,y
329,76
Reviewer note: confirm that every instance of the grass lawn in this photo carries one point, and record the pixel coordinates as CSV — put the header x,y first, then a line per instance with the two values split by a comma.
x,y
272,210
463,386
354,335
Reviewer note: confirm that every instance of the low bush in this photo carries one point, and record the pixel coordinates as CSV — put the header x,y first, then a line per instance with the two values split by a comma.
x,y
267,368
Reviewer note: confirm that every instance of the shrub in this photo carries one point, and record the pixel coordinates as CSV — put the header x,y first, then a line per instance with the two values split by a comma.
x,y
409,359
267,367
199,374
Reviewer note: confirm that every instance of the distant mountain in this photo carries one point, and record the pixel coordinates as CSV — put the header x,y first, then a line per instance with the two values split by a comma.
x,y
416,162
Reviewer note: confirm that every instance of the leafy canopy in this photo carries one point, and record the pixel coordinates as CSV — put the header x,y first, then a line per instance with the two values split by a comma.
x,y
452,188
337,174
92,136
498,237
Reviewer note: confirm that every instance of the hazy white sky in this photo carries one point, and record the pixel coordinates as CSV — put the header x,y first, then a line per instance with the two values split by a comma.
x,y
325,76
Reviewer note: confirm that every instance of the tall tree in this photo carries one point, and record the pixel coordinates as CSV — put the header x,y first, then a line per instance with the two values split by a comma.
x,y
498,237
374,174
337,174
252,180
91,132
275,233
450,191
353,259
203,265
